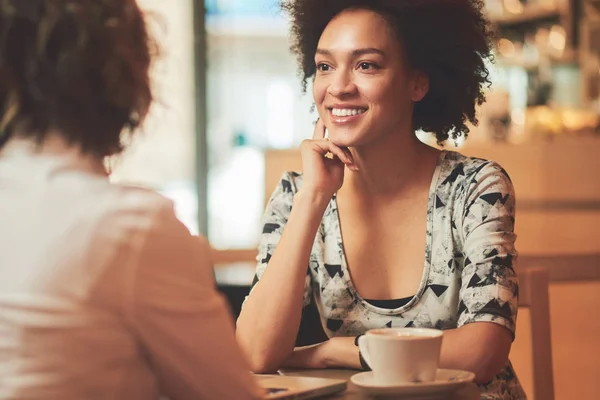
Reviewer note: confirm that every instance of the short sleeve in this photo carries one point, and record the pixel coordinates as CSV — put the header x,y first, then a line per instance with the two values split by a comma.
x,y
489,287
274,220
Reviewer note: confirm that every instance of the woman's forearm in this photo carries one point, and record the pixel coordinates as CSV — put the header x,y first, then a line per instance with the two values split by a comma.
x,y
337,352
269,321
480,347
341,353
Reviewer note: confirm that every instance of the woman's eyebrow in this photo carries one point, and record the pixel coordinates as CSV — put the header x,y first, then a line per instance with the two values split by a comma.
x,y
355,53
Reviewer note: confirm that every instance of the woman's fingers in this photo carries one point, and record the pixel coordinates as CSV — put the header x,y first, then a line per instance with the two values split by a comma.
x,y
323,147
341,155
348,153
319,133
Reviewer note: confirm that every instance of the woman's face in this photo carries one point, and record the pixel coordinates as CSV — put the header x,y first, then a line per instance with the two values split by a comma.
x,y
363,87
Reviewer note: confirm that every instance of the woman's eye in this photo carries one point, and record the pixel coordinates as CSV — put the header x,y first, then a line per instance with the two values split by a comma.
x,y
323,67
366,66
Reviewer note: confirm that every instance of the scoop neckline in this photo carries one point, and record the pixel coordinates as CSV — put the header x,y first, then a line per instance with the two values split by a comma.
x,y
427,260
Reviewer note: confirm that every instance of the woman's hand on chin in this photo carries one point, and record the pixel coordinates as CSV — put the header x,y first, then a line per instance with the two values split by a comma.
x,y
323,163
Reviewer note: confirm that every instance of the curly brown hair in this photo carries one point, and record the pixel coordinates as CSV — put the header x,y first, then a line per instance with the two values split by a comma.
x,y
449,40
79,67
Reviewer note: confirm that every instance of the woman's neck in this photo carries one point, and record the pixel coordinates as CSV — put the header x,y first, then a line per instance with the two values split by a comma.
x,y
390,166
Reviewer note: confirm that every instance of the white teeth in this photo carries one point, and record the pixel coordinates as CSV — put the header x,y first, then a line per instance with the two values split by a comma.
x,y
346,112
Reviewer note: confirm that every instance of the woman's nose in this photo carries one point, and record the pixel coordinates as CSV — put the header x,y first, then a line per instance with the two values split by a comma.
x,y
342,84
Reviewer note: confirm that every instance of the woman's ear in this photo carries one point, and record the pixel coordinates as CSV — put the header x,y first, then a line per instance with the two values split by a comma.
x,y
420,85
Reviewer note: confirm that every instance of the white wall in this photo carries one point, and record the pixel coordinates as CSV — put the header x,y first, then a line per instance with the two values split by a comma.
x,y
164,151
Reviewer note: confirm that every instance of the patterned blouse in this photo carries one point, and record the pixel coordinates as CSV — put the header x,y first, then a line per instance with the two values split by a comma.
x,y
468,275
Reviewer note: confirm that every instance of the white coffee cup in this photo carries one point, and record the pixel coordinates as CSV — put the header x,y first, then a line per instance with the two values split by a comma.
x,y
401,355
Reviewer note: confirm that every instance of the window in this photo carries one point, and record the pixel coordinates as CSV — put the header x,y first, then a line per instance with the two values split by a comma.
x,y
254,102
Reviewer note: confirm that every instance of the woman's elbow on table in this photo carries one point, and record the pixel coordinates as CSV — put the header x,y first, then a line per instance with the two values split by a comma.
x,y
260,360
263,363
485,373
489,362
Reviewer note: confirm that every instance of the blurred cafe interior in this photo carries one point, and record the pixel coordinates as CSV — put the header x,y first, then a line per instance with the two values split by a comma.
x,y
231,113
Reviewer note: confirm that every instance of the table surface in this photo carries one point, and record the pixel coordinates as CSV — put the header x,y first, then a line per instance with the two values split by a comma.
x,y
467,392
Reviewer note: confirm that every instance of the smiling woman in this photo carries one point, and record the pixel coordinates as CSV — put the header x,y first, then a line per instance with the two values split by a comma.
x,y
447,40
363,85
389,232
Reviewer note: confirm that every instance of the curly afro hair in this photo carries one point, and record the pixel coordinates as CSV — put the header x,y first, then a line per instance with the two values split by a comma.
x,y
80,67
449,40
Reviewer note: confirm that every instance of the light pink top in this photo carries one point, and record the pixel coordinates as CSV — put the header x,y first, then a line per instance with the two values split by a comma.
x,y
104,294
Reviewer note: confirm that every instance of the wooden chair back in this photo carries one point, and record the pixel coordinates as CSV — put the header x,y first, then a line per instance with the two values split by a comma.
x,y
533,294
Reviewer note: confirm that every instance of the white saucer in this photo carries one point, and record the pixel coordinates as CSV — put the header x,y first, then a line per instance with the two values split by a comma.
x,y
446,382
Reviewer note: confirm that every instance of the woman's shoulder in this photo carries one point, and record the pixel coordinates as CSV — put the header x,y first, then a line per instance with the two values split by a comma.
x,y
459,167
131,210
470,180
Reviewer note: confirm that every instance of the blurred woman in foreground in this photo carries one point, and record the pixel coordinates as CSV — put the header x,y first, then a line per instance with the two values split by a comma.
x,y
103,293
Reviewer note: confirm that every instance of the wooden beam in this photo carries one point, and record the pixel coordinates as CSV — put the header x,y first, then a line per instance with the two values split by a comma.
x,y
565,267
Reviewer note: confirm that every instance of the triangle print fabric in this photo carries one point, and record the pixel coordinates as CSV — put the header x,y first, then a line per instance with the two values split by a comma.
x,y
469,259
